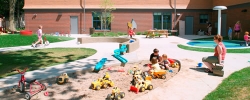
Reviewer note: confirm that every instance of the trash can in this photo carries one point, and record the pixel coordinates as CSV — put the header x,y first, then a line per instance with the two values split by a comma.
x,y
91,30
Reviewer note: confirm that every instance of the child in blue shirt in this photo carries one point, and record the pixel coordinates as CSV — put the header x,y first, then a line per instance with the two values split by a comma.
x,y
230,33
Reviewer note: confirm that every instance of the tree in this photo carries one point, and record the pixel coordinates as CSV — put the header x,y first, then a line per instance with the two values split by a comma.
x,y
12,4
106,15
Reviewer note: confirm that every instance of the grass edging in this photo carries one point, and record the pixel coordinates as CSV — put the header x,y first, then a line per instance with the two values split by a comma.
x,y
235,87
247,50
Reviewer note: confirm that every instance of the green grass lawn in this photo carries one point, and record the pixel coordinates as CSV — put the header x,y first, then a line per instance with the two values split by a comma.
x,y
247,50
39,58
235,87
19,40
108,34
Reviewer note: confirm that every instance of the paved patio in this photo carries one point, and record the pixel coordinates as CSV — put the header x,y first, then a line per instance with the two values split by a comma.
x,y
187,84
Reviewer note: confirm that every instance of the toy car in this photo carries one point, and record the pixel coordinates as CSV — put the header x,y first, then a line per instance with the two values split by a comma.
x,y
102,83
63,78
175,63
157,74
141,85
116,94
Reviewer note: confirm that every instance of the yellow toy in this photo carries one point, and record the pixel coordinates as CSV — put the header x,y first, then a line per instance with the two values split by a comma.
x,y
141,85
63,78
116,94
175,65
158,74
102,83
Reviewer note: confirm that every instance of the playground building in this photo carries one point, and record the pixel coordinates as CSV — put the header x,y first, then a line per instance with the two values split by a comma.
x,y
77,16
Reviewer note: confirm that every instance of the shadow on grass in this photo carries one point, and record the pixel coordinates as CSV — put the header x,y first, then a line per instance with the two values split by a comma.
x,y
33,59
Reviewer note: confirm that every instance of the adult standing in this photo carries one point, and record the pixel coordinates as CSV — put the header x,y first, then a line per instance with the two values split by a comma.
x,y
209,28
219,54
237,29
39,36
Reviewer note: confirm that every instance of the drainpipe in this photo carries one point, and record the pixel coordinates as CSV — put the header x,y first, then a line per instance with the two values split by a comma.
x,y
174,13
84,28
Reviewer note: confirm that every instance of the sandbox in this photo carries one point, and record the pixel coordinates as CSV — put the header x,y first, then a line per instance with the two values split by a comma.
x,y
79,86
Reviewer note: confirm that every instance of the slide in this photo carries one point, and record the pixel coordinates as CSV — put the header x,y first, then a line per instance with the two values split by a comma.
x,y
100,64
120,58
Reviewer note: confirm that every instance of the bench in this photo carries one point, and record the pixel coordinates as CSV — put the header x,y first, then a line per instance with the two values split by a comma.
x,y
173,32
151,33
218,70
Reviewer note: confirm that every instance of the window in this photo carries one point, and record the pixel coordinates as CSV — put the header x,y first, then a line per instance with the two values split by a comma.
x,y
203,18
162,20
98,22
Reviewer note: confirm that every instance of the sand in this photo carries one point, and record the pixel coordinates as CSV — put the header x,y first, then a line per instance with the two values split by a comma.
x,y
79,86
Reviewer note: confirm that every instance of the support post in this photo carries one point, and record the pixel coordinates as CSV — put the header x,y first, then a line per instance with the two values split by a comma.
x,y
219,8
219,22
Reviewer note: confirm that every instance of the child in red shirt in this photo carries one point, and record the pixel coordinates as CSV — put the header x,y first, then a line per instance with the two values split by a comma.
x,y
131,32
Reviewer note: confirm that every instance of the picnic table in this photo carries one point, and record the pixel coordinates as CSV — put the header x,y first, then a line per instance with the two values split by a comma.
x,y
160,32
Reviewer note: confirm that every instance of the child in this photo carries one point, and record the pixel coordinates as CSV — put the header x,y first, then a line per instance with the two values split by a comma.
x,y
155,66
246,38
131,32
156,55
230,30
39,36
165,62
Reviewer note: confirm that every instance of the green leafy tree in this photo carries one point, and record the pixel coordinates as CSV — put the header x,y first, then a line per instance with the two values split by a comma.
x,y
12,4
11,10
107,16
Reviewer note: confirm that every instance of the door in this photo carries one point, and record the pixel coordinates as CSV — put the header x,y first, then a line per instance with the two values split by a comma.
x,y
182,27
189,23
73,25
224,24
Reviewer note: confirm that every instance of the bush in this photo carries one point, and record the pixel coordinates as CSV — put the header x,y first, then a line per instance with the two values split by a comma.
x,y
108,34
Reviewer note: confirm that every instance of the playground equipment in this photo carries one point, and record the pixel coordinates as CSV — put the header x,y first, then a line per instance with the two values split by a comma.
x,y
63,78
32,91
117,53
102,83
116,94
100,64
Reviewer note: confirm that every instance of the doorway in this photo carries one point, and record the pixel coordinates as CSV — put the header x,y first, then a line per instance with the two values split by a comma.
x,y
73,25
223,24
189,25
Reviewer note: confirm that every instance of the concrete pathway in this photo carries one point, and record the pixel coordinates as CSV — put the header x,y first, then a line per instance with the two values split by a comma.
x,y
188,84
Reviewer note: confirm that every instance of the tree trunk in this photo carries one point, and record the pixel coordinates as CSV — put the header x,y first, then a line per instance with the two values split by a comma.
x,y
12,4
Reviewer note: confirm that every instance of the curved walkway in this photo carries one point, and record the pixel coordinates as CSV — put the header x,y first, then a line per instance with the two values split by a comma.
x,y
186,85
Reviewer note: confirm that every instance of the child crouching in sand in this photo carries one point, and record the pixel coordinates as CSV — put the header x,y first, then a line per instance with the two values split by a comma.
x,y
155,66
165,62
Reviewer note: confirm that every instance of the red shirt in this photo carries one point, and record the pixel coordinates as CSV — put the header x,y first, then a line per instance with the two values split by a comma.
x,y
131,32
224,50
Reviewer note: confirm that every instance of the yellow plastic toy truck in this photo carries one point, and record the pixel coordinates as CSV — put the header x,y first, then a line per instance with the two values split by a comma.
x,y
102,83
142,85
158,74
63,78
116,94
